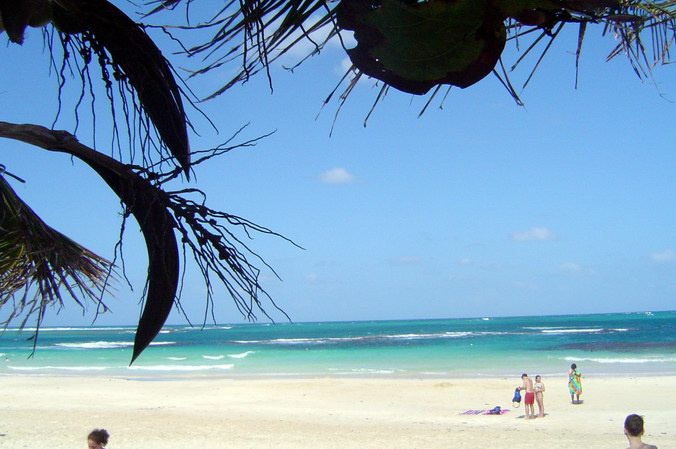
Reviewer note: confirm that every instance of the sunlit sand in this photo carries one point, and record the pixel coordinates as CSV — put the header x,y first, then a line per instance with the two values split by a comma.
x,y
58,412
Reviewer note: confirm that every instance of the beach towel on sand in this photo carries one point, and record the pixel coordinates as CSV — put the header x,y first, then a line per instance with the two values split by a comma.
x,y
494,411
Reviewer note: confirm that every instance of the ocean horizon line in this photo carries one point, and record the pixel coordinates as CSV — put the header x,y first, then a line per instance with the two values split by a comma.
x,y
365,320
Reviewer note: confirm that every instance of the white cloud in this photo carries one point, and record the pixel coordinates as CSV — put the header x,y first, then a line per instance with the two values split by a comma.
x,y
576,269
312,278
525,285
336,176
345,64
464,261
571,267
308,44
406,260
536,233
664,256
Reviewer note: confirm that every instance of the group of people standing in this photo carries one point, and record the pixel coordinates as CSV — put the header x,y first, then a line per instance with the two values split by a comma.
x,y
633,424
535,391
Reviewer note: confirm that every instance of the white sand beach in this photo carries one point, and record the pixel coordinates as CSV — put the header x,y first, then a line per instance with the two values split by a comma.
x,y
58,412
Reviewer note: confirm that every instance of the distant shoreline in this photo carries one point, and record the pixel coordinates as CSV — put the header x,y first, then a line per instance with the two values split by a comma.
x,y
557,377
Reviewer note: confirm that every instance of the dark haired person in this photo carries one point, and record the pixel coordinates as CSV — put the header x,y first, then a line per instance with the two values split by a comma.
x,y
97,439
574,384
539,388
633,430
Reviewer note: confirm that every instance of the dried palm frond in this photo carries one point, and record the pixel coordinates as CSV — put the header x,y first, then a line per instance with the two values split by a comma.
x,y
122,44
636,19
38,263
258,32
96,30
205,233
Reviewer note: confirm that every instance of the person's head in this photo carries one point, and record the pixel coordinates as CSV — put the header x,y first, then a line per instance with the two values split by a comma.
x,y
573,366
633,425
97,438
524,375
538,378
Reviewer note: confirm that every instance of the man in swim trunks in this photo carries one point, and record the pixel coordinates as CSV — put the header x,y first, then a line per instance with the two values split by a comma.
x,y
529,398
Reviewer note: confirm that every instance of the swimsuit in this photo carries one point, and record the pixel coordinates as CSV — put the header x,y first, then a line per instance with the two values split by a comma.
x,y
538,389
529,398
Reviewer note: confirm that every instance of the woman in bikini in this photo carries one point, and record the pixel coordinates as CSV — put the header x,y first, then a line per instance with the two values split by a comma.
x,y
539,388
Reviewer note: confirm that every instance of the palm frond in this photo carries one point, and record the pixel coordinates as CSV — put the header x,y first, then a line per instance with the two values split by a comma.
x,y
256,32
96,30
205,233
38,263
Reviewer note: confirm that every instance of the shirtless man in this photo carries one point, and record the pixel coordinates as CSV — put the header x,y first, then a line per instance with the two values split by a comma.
x,y
529,398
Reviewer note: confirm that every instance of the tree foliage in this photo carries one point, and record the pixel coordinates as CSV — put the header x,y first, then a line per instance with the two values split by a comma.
x,y
420,45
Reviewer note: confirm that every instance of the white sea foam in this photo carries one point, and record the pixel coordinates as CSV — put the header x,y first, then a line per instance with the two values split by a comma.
x,y
375,371
242,355
428,336
360,371
180,367
177,359
213,357
495,333
325,340
296,341
108,344
573,331
97,345
569,330
631,360
60,368
76,329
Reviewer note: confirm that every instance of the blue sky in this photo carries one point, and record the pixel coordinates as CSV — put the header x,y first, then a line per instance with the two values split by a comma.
x,y
482,208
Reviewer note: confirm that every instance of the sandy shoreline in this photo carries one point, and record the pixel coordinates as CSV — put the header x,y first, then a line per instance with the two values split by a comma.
x,y
58,412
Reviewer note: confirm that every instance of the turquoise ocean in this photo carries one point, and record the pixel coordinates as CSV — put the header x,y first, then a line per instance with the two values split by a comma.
x,y
602,344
